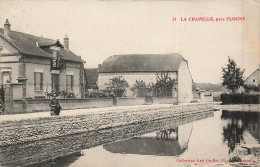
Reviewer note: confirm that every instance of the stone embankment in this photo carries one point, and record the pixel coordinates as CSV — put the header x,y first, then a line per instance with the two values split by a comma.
x,y
24,130
241,107
29,141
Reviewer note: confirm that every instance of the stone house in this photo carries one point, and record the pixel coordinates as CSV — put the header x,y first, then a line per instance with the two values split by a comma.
x,y
145,67
254,78
44,64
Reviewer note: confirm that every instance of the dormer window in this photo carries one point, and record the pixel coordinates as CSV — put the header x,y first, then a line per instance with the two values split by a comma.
x,y
55,54
58,62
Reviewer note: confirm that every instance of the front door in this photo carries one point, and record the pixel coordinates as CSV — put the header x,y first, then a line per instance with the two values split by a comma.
x,y
55,82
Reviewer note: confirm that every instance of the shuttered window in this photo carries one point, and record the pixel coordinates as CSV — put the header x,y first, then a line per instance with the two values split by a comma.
x,y
69,83
6,77
38,81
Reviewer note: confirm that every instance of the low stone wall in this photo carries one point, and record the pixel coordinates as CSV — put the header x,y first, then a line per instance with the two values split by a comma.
x,y
164,100
17,105
68,104
36,105
208,99
128,101
31,141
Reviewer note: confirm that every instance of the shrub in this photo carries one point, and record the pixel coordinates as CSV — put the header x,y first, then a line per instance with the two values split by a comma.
x,y
70,95
164,84
142,89
118,85
249,88
98,94
239,98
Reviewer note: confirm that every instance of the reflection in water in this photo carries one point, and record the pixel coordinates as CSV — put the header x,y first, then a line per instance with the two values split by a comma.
x,y
166,134
238,126
213,137
40,151
60,161
202,139
165,142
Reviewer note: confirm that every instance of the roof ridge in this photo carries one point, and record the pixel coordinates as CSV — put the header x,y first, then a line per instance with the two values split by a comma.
x,y
30,35
251,74
11,43
142,62
148,54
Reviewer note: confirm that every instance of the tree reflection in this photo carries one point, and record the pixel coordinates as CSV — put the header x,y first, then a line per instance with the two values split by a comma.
x,y
233,134
165,134
238,123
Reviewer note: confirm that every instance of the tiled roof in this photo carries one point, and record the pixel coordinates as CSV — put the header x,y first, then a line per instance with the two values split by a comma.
x,y
31,45
142,63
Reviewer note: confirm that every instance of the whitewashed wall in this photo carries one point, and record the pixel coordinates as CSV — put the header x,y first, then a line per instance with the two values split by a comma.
x,y
147,77
254,79
184,83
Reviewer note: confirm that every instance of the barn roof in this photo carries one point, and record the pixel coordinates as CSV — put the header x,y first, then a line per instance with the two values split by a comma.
x,y
142,63
32,45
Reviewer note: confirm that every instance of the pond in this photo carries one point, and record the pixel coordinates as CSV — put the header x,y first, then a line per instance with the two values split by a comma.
x,y
206,140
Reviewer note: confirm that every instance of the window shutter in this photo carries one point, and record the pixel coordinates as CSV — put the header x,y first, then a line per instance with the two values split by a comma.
x,y
34,81
41,81
67,83
72,82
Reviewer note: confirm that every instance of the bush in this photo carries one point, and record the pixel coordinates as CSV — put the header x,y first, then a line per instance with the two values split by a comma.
x,y
142,89
239,98
249,88
70,95
118,85
98,94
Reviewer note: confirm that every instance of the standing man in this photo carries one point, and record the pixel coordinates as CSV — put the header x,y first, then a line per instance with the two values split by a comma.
x,y
55,106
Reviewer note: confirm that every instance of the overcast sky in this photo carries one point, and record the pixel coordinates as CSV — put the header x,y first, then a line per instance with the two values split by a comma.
x,y
99,29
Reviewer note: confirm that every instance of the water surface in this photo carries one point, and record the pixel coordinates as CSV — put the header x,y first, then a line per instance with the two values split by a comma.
x,y
210,139
168,143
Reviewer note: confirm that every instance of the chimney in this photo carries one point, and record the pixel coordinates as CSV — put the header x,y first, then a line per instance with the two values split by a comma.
x,y
66,41
7,28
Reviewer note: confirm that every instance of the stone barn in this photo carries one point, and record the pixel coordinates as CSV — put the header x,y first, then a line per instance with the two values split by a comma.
x,y
145,67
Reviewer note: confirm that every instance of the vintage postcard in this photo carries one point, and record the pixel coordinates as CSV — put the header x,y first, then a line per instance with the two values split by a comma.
x,y
135,83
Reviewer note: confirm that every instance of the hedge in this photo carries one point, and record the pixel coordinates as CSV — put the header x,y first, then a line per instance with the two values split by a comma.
x,y
239,98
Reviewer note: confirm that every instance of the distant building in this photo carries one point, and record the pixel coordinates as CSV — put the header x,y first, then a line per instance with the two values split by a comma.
x,y
46,64
144,67
91,76
254,78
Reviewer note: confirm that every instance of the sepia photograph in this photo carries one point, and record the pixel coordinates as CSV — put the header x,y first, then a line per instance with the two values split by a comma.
x,y
129,83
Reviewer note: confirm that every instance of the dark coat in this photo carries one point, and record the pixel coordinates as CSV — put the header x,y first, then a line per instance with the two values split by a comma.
x,y
55,106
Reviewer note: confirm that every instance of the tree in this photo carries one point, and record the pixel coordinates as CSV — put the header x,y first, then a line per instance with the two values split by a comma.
x,y
164,83
142,88
232,76
117,84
